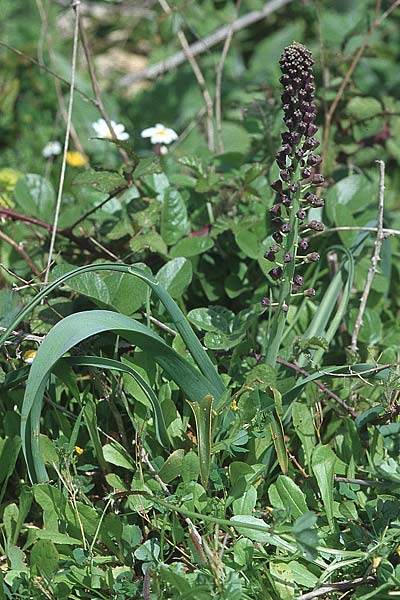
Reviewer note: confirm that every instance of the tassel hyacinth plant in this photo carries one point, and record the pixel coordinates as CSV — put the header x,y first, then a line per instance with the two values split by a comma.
x,y
297,164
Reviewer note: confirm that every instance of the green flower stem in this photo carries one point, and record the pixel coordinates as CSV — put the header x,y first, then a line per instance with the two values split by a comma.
x,y
279,318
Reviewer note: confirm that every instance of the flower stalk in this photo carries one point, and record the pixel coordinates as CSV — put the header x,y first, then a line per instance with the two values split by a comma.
x,y
297,173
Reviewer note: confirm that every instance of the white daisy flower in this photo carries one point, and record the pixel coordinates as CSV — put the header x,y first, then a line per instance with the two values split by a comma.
x,y
103,131
51,149
159,134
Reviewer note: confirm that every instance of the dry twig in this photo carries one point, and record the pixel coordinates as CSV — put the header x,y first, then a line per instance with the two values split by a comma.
x,y
96,90
57,82
385,232
341,586
75,8
218,80
378,19
20,250
199,77
375,258
321,386
154,71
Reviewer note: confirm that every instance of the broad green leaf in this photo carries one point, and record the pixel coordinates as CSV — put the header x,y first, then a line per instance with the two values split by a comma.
x,y
151,240
248,242
10,305
213,318
304,426
246,503
34,195
283,579
244,525
363,108
323,466
116,454
172,467
191,246
175,276
202,411
278,438
285,493
44,558
174,218
102,181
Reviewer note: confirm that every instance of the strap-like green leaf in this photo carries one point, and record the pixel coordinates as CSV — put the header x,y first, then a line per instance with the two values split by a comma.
x,y
193,344
71,331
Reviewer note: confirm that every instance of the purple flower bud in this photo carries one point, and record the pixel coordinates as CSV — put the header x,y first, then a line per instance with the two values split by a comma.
x,y
286,228
312,257
287,257
303,244
277,222
275,248
317,202
308,117
309,293
294,187
276,273
318,179
284,175
315,226
301,214
277,185
269,255
296,137
310,144
277,237
265,302
313,160
299,153
311,130
284,308
298,280
302,127
275,210
286,201
306,172
295,289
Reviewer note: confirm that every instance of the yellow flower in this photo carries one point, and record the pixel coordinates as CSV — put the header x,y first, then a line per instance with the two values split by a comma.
x,y
234,405
75,159
79,450
28,356
8,179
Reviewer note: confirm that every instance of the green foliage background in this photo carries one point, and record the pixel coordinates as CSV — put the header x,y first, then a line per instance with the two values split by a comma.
x,y
276,486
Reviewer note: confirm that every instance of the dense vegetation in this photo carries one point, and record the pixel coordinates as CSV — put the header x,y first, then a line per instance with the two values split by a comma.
x,y
200,342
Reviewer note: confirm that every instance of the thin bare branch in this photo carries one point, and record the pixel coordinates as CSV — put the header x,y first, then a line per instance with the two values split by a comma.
x,y
96,89
47,70
378,20
75,8
57,84
20,250
385,232
375,257
218,80
199,77
201,46
321,386
341,586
